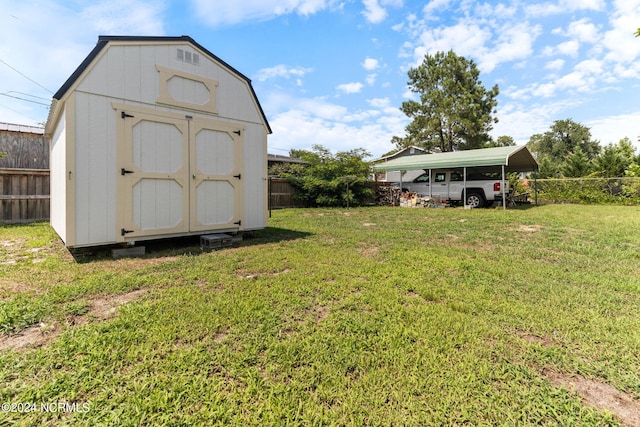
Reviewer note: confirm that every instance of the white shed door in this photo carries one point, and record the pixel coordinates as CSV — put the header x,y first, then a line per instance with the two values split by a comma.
x,y
216,195
177,175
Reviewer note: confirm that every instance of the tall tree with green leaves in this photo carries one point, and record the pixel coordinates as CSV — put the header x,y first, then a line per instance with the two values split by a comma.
x,y
455,111
577,164
615,159
502,141
562,139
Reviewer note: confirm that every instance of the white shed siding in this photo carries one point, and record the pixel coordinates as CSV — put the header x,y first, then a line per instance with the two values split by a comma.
x,y
130,76
58,180
95,148
127,72
255,177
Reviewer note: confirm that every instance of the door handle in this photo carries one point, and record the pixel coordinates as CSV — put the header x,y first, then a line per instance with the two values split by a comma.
x,y
194,176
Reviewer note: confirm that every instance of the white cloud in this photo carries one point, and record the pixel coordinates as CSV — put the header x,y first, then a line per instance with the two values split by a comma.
x,y
281,71
584,31
521,121
464,39
349,88
370,64
371,79
435,5
555,65
569,48
614,128
489,44
125,17
229,12
620,42
563,6
50,57
316,121
515,42
379,102
373,11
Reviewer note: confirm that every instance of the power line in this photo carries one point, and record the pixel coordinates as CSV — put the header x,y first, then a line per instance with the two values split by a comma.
x,y
23,99
26,77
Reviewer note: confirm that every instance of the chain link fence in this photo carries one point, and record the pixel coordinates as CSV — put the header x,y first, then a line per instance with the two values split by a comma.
x,y
624,191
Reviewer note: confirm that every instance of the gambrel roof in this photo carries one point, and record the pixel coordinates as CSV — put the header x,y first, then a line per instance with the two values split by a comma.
x,y
103,41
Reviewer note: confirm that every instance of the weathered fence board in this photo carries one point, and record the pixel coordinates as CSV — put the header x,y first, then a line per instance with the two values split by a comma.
x,y
281,194
24,195
24,146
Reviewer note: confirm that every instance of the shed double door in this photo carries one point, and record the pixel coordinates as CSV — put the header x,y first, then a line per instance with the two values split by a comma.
x,y
177,174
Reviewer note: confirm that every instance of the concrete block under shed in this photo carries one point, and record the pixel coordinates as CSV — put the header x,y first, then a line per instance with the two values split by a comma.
x,y
210,242
133,251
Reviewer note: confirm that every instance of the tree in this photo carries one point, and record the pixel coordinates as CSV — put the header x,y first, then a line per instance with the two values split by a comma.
x,y
455,111
615,159
562,139
502,141
331,180
577,164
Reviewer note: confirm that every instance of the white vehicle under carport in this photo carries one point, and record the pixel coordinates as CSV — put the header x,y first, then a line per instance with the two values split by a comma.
x,y
482,187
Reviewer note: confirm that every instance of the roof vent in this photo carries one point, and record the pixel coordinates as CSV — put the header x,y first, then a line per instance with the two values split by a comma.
x,y
186,56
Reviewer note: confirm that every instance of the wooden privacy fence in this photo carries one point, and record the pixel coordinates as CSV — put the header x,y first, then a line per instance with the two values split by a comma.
x,y
24,195
281,193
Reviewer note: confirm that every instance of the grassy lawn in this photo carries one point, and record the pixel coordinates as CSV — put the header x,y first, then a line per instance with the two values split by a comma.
x,y
373,316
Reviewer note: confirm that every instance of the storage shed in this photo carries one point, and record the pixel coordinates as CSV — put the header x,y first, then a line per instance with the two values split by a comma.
x,y
155,137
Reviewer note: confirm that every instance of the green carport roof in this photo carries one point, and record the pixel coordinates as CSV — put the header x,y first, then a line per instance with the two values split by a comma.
x,y
515,159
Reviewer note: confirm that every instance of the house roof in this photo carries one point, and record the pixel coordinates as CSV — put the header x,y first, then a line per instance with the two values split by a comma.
x,y
103,41
284,159
399,152
515,159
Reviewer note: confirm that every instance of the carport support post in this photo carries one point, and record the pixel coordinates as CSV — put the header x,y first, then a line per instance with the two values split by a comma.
x,y
430,192
504,191
464,186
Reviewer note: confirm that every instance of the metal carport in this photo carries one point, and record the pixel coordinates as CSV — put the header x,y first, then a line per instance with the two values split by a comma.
x,y
508,159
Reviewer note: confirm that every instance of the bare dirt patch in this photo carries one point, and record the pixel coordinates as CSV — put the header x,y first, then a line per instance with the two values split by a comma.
x,y
529,228
369,252
596,394
105,308
320,313
543,341
43,333
600,396
10,288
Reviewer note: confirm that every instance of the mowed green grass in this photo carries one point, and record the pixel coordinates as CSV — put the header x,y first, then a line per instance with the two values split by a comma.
x,y
372,316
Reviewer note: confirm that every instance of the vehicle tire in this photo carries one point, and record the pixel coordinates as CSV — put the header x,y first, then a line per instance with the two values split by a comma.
x,y
475,200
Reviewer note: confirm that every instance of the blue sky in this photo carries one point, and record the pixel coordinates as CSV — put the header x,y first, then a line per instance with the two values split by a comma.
x,y
334,72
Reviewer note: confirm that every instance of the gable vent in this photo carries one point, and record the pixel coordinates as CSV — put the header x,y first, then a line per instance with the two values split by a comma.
x,y
186,56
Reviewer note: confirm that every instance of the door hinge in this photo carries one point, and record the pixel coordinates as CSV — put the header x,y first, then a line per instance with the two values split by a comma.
x,y
238,223
125,115
124,232
124,171
239,176
237,132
